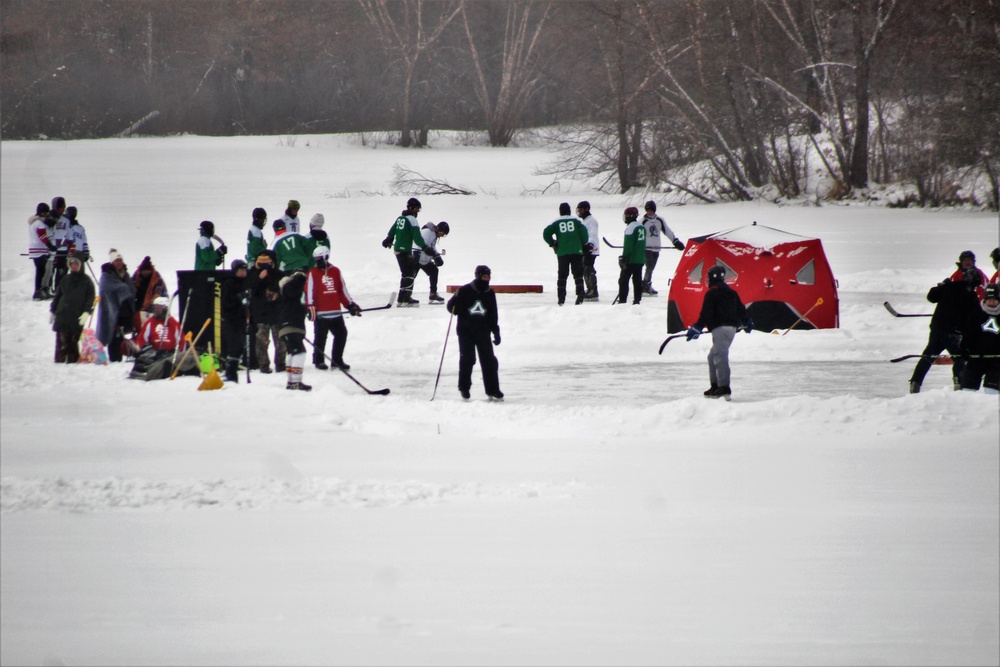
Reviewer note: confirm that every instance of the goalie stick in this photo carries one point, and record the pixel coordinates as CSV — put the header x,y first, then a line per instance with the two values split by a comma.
x,y
892,311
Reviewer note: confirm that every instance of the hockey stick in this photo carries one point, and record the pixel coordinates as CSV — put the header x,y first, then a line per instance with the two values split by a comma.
x,y
670,338
441,365
187,304
819,302
190,348
377,392
610,244
942,357
392,298
247,346
893,312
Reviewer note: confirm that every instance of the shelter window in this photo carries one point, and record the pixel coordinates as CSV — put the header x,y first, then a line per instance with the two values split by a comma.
x,y
694,276
807,274
731,275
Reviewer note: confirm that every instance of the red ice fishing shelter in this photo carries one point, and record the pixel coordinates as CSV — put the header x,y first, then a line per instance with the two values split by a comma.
x,y
779,276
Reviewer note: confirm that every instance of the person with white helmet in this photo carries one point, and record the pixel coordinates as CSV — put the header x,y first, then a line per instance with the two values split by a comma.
x,y
159,341
326,299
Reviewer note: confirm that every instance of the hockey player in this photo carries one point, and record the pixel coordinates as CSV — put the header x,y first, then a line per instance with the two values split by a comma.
x,y
957,304
983,344
40,247
206,256
326,299
255,235
292,250
567,236
317,233
591,250
655,229
76,237
402,235
967,260
59,225
293,328
235,305
291,216
723,314
475,304
429,264
632,257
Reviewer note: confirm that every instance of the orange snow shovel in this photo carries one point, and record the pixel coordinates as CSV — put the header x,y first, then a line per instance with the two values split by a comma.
x,y
210,380
190,349
819,302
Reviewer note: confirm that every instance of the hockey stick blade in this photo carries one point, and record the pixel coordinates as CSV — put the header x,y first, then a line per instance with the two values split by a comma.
x,y
670,338
610,244
892,311
392,298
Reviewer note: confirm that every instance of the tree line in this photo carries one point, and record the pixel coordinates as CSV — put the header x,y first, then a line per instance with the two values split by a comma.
x,y
720,99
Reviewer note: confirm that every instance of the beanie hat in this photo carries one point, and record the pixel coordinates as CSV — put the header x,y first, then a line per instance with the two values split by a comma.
x,y
146,264
967,254
278,225
42,208
564,208
293,205
651,205
58,202
71,213
585,205
317,221
114,254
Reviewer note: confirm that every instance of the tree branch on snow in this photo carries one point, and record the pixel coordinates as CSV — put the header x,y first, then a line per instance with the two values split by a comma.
x,y
408,182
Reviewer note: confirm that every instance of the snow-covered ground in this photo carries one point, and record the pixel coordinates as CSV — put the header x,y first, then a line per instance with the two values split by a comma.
x,y
605,513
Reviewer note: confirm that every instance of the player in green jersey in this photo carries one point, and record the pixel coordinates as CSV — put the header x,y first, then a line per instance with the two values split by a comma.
x,y
567,236
633,257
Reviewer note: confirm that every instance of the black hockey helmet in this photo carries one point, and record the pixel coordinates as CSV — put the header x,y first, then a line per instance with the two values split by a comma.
x,y
237,264
651,205
413,202
631,213
564,208
717,274
71,213
259,214
992,291
207,228
967,254
42,209
278,225
483,270
443,228
585,205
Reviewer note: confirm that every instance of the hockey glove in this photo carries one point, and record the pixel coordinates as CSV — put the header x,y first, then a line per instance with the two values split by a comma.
x,y
438,261
496,337
555,246
222,250
589,248
354,309
621,261
678,244
748,325
387,242
693,333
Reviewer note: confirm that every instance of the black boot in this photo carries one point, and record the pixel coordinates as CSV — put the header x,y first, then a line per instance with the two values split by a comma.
x,y
232,370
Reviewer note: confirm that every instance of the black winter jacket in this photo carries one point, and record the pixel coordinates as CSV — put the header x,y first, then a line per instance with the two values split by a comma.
x,y
721,307
475,305
957,305
74,297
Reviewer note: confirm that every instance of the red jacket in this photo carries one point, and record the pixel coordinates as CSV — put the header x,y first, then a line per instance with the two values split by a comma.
x,y
326,291
983,280
161,335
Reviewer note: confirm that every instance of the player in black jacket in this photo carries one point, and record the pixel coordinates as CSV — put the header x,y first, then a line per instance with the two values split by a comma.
x,y
723,314
956,303
475,304
293,328
983,343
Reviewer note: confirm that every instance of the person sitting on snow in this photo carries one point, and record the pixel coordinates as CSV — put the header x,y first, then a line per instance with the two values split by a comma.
x,y
159,342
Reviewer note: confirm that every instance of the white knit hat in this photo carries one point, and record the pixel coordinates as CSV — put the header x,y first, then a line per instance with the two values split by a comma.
x,y
114,254
317,221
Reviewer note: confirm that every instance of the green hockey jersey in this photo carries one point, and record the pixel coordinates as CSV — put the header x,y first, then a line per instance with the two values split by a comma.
x,y
634,250
570,234
294,252
405,231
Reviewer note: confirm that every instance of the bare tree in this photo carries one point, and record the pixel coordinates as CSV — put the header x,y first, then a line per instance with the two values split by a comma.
x,y
409,29
503,99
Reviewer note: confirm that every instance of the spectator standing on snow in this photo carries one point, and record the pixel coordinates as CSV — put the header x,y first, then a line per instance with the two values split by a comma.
x,y
957,304
983,344
235,305
967,260
255,235
71,307
632,257
117,305
149,285
206,256
723,314
40,247
293,328
76,237
402,235
265,312
655,229
428,263
567,236
326,300
591,251
475,305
